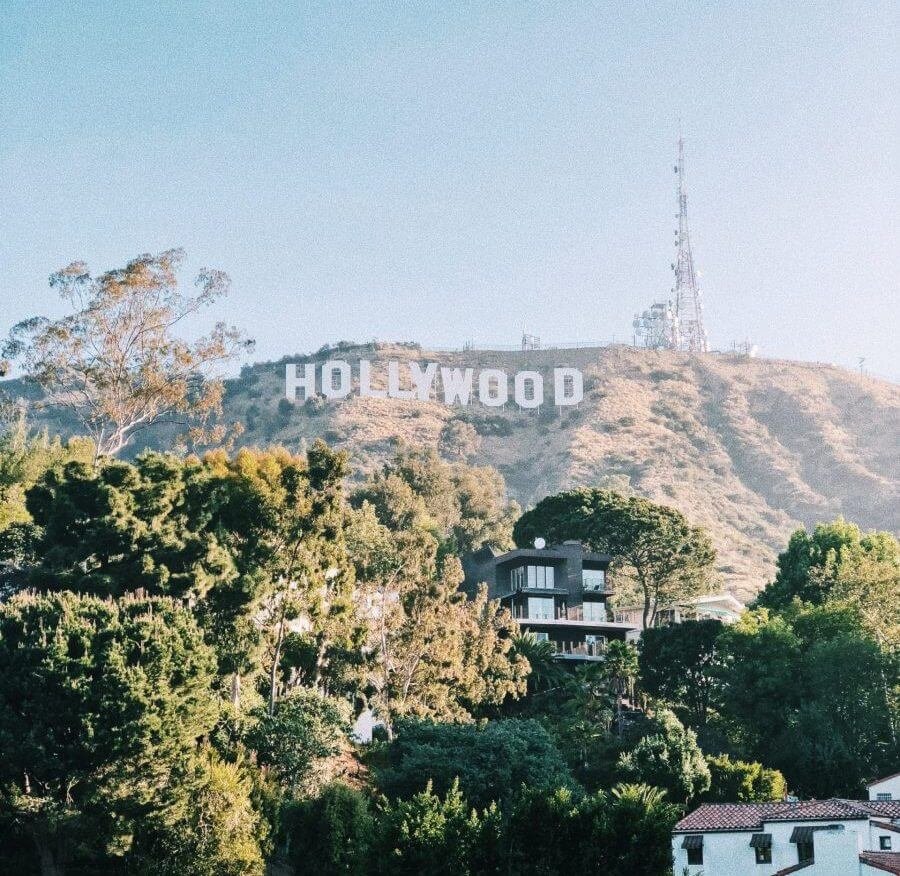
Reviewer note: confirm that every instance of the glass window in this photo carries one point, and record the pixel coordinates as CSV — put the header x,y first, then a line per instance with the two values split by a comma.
x,y
540,608
593,579
541,637
763,854
532,576
594,611
594,644
695,856
882,796
549,572
804,852
884,843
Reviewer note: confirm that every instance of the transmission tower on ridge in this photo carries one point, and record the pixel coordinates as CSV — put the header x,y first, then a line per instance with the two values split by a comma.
x,y
688,303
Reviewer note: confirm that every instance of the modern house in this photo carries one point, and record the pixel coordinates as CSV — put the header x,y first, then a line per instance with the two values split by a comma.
x,y
558,593
713,606
816,838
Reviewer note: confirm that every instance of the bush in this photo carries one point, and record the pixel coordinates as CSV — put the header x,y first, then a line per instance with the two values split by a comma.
x,y
331,834
426,835
305,729
490,762
736,781
669,759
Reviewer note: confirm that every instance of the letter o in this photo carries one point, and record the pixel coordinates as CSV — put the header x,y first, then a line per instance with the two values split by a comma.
x,y
485,396
537,389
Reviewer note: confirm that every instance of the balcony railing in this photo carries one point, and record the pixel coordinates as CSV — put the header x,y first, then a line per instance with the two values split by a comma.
x,y
579,650
561,613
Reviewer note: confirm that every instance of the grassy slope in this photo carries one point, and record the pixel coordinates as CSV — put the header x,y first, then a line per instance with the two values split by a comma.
x,y
750,448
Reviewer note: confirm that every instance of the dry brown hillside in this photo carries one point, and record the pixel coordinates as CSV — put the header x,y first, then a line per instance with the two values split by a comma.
x,y
750,448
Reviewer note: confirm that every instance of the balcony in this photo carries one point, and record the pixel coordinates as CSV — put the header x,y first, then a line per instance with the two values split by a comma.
x,y
573,614
579,650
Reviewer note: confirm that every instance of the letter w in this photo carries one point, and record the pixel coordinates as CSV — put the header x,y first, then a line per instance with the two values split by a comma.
x,y
457,385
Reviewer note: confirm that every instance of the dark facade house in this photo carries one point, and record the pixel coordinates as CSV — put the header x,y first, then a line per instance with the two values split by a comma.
x,y
558,593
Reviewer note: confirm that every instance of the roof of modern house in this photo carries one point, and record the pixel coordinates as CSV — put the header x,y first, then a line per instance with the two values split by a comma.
x,y
551,553
712,817
882,779
889,862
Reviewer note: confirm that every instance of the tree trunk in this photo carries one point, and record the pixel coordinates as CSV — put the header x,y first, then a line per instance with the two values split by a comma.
x,y
273,677
236,689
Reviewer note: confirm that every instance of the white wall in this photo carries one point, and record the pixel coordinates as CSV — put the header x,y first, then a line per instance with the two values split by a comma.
x,y
888,786
729,854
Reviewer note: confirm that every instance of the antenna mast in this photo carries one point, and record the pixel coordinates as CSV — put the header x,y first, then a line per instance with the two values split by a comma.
x,y
688,303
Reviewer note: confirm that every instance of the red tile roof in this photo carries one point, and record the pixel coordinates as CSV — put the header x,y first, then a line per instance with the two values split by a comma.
x,y
751,816
887,861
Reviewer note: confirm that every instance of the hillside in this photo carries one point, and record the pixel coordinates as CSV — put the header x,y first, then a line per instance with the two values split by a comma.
x,y
749,448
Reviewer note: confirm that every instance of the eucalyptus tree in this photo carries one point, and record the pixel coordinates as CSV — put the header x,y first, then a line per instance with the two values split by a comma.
x,y
115,360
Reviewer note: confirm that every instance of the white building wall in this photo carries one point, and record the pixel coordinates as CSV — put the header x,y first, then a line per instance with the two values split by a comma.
x,y
729,854
887,786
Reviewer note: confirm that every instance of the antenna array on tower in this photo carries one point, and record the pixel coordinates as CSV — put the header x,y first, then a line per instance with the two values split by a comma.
x,y
677,324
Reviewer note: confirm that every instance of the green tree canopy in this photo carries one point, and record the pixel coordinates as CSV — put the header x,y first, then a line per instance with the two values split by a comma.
x,y
100,703
433,653
736,781
679,664
489,761
304,730
464,507
215,831
653,545
815,565
669,759
812,694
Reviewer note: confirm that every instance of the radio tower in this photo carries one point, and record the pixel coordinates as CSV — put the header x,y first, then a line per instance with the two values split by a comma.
x,y
688,303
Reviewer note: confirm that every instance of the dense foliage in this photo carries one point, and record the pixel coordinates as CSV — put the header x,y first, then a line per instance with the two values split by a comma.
x,y
185,643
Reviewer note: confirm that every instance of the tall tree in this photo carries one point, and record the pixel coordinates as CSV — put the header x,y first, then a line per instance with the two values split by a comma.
x,y
464,507
815,562
115,360
434,654
654,545
252,541
680,664
100,703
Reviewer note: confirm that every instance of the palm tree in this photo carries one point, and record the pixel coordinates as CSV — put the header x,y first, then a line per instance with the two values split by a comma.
x,y
620,668
546,673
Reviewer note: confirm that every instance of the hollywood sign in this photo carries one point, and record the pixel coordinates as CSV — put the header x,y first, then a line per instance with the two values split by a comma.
x,y
431,382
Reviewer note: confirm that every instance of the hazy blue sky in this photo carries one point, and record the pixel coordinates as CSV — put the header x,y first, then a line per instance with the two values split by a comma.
x,y
449,171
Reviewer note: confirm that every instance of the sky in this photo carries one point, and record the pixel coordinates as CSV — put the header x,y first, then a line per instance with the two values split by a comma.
x,y
455,172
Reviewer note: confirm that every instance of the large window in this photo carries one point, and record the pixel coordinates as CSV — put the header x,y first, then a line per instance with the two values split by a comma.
x,y
540,577
540,608
593,579
882,796
594,611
